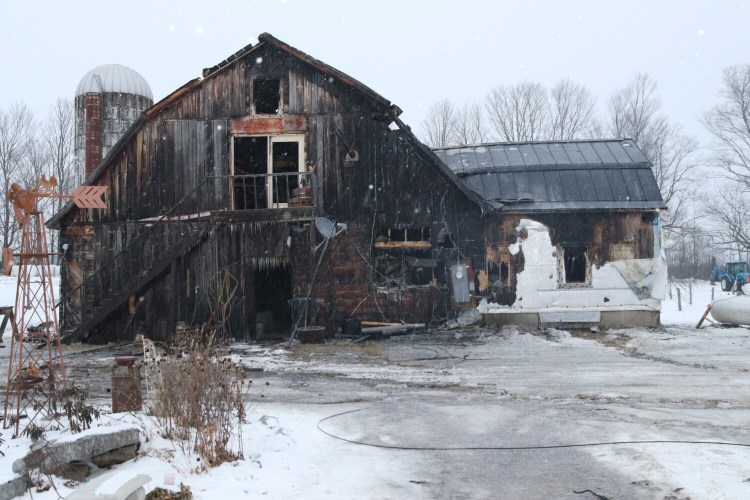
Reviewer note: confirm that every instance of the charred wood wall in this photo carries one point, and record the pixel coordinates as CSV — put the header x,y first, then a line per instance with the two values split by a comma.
x,y
368,176
610,236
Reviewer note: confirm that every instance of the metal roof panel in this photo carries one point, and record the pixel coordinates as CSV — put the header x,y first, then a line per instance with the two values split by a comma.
x,y
499,158
453,157
574,153
571,192
586,185
554,186
650,188
469,159
523,185
604,153
558,153
544,154
618,152
507,186
633,185
484,158
528,154
617,185
538,186
514,156
601,184
635,154
589,153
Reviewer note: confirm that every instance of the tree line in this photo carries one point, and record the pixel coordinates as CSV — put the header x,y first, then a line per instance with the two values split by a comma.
x,y
30,148
705,186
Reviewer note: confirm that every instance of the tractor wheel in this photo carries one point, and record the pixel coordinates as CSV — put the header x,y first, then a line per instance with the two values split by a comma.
x,y
725,285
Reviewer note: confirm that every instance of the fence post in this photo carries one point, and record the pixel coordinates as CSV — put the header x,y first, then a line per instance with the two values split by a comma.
x,y
712,294
669,284
690,289
679,300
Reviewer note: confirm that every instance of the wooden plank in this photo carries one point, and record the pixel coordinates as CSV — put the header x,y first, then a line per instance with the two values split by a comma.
x,y
703,318
417,245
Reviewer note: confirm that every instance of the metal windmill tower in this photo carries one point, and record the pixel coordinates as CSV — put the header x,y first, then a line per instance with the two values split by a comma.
x,y
36,370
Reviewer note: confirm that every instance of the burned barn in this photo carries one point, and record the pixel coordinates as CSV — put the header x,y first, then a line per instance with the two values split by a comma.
x,y
573,238
275,181
270,178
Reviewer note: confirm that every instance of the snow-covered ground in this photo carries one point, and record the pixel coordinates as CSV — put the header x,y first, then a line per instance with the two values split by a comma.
x,y
432,415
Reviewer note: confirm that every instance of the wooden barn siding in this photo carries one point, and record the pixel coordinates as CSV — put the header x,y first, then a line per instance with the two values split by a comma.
x,y
407,192
239,247
189,140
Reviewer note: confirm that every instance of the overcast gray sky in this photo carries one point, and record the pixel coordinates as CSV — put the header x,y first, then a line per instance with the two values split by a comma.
x,y
413,53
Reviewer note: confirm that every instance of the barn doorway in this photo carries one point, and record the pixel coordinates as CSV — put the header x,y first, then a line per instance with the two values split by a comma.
x,y
273,289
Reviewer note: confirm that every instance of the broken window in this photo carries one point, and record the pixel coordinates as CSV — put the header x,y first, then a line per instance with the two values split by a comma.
x,y
265,170
266,97
574,266
404,257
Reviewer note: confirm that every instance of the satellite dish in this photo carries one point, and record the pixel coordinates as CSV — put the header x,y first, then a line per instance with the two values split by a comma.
x,y
328,229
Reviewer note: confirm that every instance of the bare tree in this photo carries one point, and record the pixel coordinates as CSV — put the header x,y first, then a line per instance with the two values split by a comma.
x,y
674,159
438,126
729,214
633,108
59,144
519,112
572,111
469,125
635,112
729,123
15,133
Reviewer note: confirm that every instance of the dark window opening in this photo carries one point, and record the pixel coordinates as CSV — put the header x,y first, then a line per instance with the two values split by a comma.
x,y
493,272
250,158
285,161
266,171
266,97
397,267
576,264
498,273
273,289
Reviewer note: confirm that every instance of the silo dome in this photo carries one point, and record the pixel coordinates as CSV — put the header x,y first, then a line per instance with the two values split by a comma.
x,y
109,99
114,78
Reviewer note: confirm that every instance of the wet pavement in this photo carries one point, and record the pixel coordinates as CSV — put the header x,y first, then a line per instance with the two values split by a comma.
x,y
483,413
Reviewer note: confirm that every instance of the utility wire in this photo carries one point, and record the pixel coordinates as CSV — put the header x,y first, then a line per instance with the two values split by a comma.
x,y
514,448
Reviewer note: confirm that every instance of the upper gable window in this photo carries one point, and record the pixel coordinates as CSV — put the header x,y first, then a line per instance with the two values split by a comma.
x,y
266,97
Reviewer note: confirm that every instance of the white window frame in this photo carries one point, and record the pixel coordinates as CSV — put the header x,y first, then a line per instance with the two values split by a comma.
x,y
562,279
273,139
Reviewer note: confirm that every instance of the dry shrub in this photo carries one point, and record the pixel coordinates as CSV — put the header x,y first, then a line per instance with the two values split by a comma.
x,y
164,494
199,402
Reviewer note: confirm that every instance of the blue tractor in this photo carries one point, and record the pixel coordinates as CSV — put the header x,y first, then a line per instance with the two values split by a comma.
x,y
732,276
